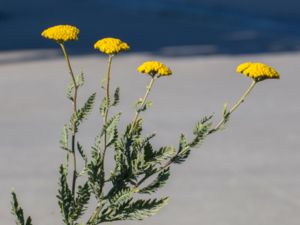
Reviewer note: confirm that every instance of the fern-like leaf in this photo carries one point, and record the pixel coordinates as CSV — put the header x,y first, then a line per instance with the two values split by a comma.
x,y
80,80
69,90
110,128
144,107
103,106
183,150
64,139
96,173
86,109
142,209
121,197
201,130
158,183
64,196
154,157
82,153
17,211
116,98
81,201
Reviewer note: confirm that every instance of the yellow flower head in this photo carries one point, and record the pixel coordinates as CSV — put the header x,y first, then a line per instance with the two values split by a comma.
x,y
111,46
61,33
153,67
257,71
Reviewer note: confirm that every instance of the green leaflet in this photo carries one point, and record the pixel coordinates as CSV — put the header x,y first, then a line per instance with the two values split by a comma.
x,y
64,139
158,183
121,165
80,80
201,130
144,107
132,210
106,103
82,153
64,196
70,87
86,109
82,113
111,129
156,157
226,115
103,106
116,98
17,211
183,150
96,174
71,207
81,201
121,197
69,90
142,209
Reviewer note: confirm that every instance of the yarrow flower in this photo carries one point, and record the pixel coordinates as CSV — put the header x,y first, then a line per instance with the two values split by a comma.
x,y
61,33
257,71
111,46
153,67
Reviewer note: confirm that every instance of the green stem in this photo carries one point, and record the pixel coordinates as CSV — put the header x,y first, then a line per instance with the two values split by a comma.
x,y
94,215
106,109
107,98
136,116
75,112
99,207
240,101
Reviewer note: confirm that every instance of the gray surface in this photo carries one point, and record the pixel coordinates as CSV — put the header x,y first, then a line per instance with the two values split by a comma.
x,y
246,175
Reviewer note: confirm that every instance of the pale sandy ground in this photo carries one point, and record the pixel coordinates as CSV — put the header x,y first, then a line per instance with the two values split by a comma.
x,y
245,175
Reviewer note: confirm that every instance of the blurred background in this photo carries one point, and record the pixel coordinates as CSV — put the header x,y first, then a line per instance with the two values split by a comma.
x,y
168,27
246,175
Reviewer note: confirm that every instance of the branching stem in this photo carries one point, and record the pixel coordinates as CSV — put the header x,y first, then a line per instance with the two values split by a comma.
x,y
168,163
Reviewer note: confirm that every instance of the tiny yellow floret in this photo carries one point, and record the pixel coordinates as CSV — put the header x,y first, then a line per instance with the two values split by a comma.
x,y
257,71
153,67
61,33
111,46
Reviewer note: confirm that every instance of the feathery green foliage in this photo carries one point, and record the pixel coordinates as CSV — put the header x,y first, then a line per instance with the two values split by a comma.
x,y
82,113
158,183
17,211
140,167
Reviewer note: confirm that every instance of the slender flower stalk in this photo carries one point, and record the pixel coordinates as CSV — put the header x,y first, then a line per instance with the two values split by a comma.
x,y
242,99
258,72
155,70
109,46
143,102
234,107
73,150
107,90
107,106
